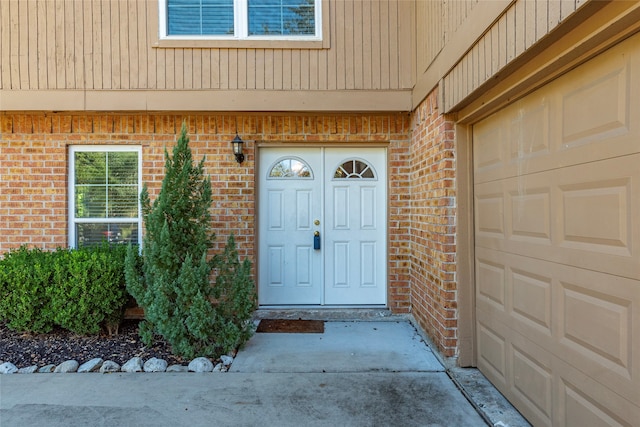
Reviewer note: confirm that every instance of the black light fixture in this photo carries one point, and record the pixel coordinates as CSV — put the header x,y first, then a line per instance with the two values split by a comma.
x,y
237,148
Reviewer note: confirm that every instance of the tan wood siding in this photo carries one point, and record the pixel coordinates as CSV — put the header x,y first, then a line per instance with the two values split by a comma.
x,y
107,45
466,43
590,30
521,25
437,23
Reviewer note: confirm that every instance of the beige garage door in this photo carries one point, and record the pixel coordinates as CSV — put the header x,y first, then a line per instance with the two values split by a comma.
x,y
557,230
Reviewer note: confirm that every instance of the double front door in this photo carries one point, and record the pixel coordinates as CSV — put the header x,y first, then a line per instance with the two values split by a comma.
x,y
322,226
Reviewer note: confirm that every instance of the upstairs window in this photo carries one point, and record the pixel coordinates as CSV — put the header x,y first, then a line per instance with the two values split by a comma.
x,y
240,19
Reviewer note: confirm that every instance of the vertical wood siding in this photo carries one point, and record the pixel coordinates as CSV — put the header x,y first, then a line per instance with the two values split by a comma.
x,y
106,44
523,24
437,21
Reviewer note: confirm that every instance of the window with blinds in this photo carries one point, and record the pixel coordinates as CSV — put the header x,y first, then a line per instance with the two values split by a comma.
x,y
105,183
200,17
240,19
281,17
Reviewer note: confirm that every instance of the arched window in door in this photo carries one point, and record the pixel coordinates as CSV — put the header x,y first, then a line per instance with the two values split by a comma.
x,y
354,169
290,167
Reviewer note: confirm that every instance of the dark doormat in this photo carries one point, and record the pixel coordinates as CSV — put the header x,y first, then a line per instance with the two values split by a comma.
x,y
291,326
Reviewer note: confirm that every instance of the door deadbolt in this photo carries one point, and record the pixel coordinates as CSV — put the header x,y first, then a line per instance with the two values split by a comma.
x,y
316,222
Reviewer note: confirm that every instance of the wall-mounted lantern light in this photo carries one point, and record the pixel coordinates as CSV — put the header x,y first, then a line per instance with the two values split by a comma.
x,y
237,148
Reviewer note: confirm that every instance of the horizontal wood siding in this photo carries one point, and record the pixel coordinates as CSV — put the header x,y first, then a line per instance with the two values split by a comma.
x,y
107,44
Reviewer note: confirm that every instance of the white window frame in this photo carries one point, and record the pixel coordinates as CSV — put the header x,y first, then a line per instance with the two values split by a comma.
x,y
73,149
241,25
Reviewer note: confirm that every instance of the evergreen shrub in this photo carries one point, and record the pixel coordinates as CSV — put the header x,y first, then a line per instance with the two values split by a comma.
x,y
172,280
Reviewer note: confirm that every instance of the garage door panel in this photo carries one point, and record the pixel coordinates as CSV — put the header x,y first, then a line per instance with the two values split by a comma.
x,y
596,206
598,326
589,318
581,215
557,245
584,116
493,155
584,121
491,282
490,213
529,136
531,297
514,141
518,368
533,378
530,214
546,389
528,291
583,401
544,386
492,352
511,286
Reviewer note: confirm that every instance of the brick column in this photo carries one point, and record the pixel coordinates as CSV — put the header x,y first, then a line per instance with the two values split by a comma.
x,y
433,225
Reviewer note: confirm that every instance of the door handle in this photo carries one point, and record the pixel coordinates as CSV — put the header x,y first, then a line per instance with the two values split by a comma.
x,y
316,240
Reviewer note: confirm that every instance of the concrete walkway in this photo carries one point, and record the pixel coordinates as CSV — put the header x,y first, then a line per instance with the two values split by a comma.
x,y
355,374
344,347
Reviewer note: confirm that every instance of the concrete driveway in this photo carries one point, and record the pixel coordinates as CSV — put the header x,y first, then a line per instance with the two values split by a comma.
x,y
354,374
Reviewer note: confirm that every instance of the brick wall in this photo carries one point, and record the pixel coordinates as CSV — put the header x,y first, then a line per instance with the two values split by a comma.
x,y
34,162
433,225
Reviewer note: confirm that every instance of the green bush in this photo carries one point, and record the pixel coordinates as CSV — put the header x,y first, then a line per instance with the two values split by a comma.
x,y
172,281
79,290
89,289
25,290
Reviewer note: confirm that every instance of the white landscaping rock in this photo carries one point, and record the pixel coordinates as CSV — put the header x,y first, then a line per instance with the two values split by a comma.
x,y
66,367
133,365
8,368
28,369
155,365
91,366
200,364
218,368
109,366
226,360
47,369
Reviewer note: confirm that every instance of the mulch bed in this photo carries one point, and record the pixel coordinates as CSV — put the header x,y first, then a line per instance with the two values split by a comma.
x,y
291,326
59,345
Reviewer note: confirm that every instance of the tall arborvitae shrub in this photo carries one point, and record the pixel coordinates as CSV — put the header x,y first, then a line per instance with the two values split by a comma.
x,y
236,297
172,280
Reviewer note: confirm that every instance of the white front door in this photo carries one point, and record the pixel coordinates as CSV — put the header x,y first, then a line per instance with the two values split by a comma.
x,y
322,226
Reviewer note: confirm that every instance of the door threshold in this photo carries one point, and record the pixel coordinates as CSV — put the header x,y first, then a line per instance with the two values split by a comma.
x,y
332,313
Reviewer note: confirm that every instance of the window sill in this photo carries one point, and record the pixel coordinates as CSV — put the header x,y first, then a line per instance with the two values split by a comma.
x,y
241,44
